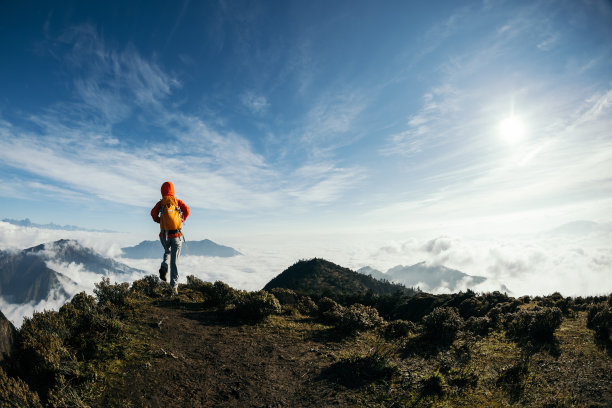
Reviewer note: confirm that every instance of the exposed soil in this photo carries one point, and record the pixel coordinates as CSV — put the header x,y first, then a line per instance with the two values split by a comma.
x,y
203,359
199,357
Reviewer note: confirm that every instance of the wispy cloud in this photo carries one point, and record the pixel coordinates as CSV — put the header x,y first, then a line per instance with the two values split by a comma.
x,y
323,182
257,104
75,148
331,123
110,82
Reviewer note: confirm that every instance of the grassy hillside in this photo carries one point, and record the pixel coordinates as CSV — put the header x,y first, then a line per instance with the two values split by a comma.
x,y
136,345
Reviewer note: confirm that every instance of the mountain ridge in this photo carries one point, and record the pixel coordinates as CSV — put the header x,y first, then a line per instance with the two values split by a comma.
x,y
153,249
432,276
26,275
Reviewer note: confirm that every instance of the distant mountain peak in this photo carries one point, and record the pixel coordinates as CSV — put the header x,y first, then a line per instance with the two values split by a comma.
x,y
153,249
428,277
319,277
52,226
580,227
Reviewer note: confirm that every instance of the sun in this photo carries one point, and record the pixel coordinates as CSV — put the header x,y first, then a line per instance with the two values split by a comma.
x,y
512,129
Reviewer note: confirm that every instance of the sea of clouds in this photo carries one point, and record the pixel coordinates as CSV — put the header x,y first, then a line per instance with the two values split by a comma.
x,y
574,264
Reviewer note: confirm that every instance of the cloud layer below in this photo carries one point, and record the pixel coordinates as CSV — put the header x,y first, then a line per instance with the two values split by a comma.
x,y
573,263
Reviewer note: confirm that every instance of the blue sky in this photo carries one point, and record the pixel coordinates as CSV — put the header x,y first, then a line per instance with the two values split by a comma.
x,y
308,116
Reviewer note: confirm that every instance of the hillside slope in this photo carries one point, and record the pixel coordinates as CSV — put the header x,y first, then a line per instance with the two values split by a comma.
x,y
29,275
318,277
138,346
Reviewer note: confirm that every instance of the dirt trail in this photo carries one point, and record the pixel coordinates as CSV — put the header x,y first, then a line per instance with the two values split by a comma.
x,y
202,359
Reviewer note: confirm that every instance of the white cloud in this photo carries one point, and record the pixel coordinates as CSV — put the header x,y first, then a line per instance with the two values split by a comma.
x,y
257,104
216,169
535,265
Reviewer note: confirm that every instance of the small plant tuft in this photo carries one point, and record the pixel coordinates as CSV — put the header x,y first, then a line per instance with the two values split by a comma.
x,y
433,385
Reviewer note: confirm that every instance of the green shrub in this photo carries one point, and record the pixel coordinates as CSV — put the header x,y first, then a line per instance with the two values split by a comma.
x,y
64,395
472,307
221,294
151,286
496,317
524,299
195,283
358,317
115,294
257,305
357,370
15,393
41,344
307,306
285,296
478,325
442,324
399,328
599,319
329,310
538,324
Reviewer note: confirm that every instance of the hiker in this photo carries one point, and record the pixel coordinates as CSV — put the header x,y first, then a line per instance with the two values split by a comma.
x,y
170,213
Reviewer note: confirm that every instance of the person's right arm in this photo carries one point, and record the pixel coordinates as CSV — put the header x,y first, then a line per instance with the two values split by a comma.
x,y
155,212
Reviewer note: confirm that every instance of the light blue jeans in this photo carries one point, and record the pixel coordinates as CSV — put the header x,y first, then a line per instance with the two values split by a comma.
x,y
172,250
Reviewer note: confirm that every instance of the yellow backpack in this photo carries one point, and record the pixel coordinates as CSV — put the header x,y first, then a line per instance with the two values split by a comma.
x,y
170,215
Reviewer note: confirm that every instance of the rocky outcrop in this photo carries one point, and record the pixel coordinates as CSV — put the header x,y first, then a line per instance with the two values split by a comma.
x,y
7,337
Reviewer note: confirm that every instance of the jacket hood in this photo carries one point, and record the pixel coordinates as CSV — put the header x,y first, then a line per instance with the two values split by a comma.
x,y
167,189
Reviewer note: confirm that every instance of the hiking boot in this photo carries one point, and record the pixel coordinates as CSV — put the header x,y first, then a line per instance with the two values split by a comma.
x,y
163,273
175,291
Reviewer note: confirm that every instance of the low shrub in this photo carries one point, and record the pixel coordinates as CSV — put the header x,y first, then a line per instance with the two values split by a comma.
x,y
41,343
329,310
358,370
220,294
358,317
15,393
442,324
524,299
472,307
257,305
399,328
537,324
307,306
150,286
285,296
478,325
52,345
115,294
599,319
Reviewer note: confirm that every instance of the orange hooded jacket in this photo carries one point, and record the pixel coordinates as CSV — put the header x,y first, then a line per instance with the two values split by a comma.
x,y
167,189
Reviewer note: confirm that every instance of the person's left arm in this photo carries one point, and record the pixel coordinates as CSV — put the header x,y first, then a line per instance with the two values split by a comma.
x,y
184,209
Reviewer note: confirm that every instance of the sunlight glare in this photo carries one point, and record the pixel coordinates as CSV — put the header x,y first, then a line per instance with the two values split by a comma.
x,y
512,129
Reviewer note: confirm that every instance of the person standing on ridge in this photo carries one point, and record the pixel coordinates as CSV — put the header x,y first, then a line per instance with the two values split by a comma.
x,y
170,213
